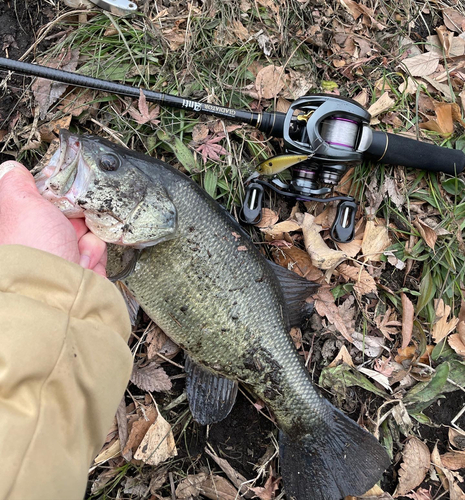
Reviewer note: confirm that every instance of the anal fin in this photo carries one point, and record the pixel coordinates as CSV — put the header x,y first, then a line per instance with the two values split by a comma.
x,y
210,396
295,289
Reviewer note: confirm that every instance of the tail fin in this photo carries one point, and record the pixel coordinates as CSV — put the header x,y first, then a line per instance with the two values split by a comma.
x,y
333,463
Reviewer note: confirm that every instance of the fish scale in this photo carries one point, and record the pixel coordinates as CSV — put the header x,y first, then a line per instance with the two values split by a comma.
x,y
212,258
207,286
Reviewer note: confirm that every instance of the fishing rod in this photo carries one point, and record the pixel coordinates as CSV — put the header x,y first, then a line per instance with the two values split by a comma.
x,y
323,134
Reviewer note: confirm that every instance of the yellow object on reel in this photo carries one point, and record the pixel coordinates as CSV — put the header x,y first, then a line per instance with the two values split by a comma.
x,y
277,164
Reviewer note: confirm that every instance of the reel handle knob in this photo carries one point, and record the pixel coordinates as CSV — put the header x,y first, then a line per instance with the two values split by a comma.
x,y
398,150
343,228
251,212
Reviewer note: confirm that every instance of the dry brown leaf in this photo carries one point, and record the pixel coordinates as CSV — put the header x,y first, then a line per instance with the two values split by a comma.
x,y
388,324
420,494
441,87
175,38
402,418
326,218
158,443
151,378
447,477
352,7
368,344
456,343
325,306
46,92
270,81
422,65
407,320
269,218
375,241
322,256
190,486
376,493
415,464
296,336
159,343
282,105
384,103
382,380
363,281
392,188
49,131
342,357
454,20
299,261
384,365
453,460
144,113
219,488
442,327
139,429
426,232
456,46
200,132
443,123
282,227
409,87
410,351
445,38
122,423
78,101
457,438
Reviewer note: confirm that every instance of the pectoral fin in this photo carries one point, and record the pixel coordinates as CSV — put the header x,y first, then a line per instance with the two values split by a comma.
x,y
295,290
210,396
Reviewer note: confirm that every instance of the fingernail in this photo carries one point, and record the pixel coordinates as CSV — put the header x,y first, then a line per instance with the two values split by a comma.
x,y
7,167
84,261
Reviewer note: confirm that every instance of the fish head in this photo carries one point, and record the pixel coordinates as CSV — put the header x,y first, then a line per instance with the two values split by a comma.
x,y
90,177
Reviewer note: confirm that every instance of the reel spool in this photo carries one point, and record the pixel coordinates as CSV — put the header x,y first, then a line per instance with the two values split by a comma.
x,y
333,131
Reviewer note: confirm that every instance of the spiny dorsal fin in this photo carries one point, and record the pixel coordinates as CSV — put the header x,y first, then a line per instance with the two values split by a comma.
x,y
295,290
211,397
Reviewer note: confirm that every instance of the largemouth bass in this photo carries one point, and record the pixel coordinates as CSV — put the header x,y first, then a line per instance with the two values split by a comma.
x,y
200,278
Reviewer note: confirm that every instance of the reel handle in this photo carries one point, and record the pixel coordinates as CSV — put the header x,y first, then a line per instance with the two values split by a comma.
x,y
397,150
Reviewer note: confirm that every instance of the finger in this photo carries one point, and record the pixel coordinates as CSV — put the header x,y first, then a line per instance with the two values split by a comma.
x,y
100,269
14,178
80,227
92,250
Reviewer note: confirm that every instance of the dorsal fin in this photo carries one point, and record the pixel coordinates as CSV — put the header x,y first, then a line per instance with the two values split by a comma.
x,y
295,290
211,397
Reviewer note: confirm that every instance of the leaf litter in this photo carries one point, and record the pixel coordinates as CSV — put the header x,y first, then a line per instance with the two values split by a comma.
x,y
368,303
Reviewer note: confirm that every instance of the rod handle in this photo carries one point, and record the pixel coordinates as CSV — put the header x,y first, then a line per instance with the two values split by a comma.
x,y
397,150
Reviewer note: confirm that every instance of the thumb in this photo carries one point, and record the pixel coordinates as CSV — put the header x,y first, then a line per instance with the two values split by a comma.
x,y
15,178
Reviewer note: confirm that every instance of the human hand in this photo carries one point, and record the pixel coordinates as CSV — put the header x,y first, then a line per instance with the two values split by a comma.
x,y
28,219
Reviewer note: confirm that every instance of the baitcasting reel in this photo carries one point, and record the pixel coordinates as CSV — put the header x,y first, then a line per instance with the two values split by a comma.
x,y
322,135
325,134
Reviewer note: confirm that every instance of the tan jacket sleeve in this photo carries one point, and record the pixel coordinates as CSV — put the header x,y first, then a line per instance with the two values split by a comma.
x,y
64,366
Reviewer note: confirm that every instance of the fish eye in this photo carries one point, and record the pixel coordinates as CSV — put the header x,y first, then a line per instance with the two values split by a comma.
x,y
109,163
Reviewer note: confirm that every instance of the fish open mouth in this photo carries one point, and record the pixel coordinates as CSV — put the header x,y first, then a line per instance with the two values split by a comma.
x,y
64,175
